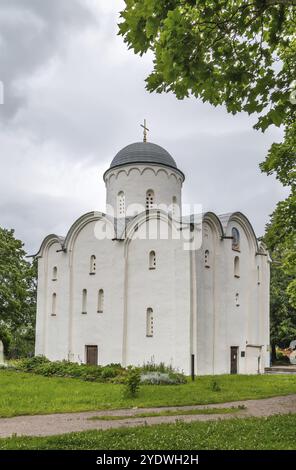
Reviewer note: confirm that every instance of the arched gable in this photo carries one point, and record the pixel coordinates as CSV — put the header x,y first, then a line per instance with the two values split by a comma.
x,y
80,223
214,222
47,243
262,250
143,218
245,224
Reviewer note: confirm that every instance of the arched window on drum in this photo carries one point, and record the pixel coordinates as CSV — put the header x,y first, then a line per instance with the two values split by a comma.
x,y
121,204
149,199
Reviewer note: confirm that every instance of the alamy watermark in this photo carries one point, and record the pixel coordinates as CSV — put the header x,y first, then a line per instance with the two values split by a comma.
x,y
159,222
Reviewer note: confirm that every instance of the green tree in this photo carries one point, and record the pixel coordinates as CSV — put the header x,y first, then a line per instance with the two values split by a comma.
x,y
17,294
282,313
237,53
132,382
281,232
240,53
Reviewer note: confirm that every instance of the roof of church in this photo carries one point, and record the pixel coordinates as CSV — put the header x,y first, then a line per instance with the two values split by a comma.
x,y
121,225
143,152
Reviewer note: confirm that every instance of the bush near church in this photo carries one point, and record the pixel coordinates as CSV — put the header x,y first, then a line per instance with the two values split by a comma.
x,y
149,374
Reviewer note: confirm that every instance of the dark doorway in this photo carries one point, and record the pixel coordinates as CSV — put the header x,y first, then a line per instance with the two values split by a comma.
x,y
233,359
92,355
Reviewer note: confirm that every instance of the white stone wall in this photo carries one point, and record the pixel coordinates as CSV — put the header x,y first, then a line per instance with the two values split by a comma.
x,y
93,328
221,323
165,289
208,305
51,331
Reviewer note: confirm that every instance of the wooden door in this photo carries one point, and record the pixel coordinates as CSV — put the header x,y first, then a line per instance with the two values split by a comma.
x,y
92,355
233,359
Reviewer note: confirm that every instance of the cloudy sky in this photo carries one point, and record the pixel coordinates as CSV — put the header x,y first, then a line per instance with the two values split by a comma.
x,y
74,95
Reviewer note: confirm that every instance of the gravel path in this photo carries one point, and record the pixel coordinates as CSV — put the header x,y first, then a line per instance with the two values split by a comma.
x,y
45,425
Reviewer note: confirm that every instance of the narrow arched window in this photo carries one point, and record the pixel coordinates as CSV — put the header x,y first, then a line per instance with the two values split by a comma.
x,y
235,239
101,301
149,322
92,265
54,273
149,199
121,204
152,260
236,267
84,301
174,206
207,259
54,304
258,276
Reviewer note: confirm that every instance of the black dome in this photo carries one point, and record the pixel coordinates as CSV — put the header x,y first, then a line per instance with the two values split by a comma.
x,y
143,152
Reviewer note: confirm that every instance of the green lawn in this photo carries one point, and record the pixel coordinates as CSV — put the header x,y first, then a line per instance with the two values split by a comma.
x,y
276,432
24,393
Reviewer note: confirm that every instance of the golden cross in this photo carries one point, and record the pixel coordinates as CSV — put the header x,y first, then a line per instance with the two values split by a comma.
x,y
145,131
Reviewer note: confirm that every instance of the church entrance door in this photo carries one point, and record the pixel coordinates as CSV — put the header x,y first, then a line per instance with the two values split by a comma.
x,y
92,355
233,359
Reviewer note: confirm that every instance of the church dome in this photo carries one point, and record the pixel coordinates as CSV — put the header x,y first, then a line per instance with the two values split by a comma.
x,y
143,152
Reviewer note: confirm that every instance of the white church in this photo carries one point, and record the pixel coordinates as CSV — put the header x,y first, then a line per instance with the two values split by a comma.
x,y
142,283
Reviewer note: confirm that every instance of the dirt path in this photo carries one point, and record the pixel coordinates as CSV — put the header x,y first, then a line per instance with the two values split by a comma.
x,y
45,425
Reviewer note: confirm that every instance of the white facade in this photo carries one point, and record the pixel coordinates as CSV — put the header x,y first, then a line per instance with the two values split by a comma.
x,y
139,295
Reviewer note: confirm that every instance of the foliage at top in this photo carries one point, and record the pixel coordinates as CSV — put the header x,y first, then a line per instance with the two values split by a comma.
x,y
241,53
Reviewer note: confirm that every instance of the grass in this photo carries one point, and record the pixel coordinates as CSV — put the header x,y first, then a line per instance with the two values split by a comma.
x,y
24,393
204,411
275,432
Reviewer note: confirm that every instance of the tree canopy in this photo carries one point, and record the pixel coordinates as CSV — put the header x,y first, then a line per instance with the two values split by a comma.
x,y
241,53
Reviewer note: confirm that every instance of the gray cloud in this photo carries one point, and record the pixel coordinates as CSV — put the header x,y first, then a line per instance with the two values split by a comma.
x,y
33,224
223,175
74,95
31,33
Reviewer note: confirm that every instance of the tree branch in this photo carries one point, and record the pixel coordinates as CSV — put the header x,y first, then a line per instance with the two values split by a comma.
x,y
280,2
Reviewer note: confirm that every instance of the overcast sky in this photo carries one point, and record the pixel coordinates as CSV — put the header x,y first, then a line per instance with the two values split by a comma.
x,y
74,95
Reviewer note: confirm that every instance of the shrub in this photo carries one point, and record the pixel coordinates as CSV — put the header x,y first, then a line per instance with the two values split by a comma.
x,y
152,367
281,358
215,386
30,364
109,372
132,382
42,366
162,378
115,373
